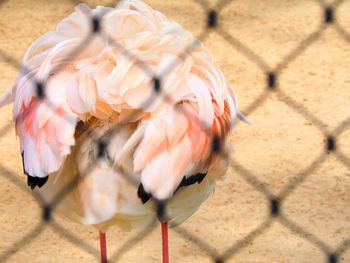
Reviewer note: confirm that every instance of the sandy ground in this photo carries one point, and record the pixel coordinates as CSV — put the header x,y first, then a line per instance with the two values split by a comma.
x,y
276,148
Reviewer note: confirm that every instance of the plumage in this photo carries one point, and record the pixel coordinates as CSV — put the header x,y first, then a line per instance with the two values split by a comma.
x,y
161,150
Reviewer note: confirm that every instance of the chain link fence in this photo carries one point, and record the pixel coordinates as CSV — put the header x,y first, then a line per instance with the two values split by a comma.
x,y
273,87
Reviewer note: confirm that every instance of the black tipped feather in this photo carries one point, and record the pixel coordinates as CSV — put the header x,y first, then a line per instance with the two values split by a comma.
x,y
33,181
36,181
197,178
142,194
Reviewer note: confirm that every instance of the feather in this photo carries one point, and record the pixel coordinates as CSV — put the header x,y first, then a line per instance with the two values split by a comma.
x,y
151,145
8,97
201,92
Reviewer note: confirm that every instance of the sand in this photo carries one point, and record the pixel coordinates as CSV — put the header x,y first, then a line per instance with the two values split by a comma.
x,y
276,148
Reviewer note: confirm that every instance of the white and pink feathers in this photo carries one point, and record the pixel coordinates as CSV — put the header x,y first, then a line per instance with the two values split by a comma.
x,y
101,86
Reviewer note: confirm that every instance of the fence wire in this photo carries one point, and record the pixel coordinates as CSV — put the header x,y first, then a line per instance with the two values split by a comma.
x,y
272,86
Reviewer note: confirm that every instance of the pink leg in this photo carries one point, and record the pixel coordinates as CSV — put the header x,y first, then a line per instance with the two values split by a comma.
x,y
164,226
103,247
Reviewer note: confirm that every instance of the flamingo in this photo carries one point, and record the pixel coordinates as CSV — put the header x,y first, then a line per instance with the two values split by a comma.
x,y
165,147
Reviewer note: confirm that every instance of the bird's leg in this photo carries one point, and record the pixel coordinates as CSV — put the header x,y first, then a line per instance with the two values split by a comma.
x,y
164,226
103,247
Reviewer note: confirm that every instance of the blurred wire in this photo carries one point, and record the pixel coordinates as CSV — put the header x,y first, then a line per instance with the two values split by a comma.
x,y
272,84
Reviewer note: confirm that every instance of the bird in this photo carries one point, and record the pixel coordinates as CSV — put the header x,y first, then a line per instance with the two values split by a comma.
x,y
108,100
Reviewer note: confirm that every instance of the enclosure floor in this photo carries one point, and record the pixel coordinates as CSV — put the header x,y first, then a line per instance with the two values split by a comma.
x,y
276,148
